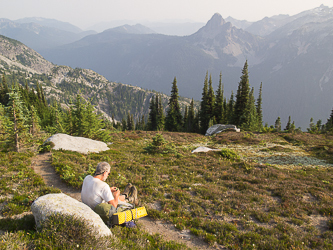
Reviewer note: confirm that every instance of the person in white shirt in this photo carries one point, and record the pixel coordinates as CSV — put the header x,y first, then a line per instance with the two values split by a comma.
x,y
96,191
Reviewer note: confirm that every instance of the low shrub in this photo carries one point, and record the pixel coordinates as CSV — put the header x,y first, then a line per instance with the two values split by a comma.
x,y
160,146
46,147
229,154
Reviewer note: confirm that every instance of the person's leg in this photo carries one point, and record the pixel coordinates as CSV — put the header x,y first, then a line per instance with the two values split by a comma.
x,y
126,191
133,197
122,197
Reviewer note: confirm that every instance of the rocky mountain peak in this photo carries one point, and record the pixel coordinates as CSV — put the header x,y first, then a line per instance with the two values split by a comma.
x,y
215,22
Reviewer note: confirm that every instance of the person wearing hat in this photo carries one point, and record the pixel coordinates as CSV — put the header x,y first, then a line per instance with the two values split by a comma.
x,y
96,191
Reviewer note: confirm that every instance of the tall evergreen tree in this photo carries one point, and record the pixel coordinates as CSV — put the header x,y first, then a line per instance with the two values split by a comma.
x,y
17,113
225,112
250,115
123,124
160,114
219,108
231,107
204,109
4,90
152,118
78,115
211,103
190,118
242,98
174,119
68,121
278,124
34,121
329,123
128,122
288,126
185,122
259,108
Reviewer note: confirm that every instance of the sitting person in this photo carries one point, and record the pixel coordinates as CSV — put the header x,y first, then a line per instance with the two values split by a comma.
x,y
98,195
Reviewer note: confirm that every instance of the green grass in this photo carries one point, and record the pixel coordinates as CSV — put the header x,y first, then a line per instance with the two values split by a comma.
x,y
240,205
204,192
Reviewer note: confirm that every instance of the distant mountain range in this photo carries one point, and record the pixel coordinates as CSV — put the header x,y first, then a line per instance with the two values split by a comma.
x,y
290,55
62,83
40,33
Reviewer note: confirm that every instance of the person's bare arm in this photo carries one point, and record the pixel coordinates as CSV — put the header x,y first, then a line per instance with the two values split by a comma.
x,y
114,202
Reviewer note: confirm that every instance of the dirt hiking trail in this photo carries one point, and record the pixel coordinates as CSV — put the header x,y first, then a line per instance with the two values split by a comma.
x,y
42,166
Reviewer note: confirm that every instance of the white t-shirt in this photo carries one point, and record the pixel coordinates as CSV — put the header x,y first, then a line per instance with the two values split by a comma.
x,y
94,191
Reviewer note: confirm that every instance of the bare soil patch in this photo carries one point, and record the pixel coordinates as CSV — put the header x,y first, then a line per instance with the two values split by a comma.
x,y
42,166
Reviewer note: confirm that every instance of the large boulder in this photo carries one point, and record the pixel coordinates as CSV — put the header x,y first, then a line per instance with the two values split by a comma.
x,y
50,204
78,144
218,128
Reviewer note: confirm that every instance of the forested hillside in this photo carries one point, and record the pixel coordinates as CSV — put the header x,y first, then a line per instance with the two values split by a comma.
x,y
61,84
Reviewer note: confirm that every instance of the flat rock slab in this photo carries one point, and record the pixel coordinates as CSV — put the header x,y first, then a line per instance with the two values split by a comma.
x,y
51,204
78,144
204,149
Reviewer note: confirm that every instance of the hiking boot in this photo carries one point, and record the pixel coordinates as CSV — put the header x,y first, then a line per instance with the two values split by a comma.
x,y
133,197
127,190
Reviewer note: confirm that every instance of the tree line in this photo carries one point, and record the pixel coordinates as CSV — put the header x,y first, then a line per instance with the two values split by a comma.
x,y
24,111
242,110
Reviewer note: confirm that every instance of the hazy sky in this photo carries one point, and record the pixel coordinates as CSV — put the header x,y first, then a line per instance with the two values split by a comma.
x,y
85,13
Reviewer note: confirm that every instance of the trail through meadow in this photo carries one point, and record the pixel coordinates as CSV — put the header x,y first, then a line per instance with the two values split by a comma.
x,y
42,166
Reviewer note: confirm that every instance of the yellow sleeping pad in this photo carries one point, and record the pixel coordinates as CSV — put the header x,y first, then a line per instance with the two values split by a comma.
x,y
128,215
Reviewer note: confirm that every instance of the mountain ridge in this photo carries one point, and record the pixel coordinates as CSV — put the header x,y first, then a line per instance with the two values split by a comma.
x,y
61,83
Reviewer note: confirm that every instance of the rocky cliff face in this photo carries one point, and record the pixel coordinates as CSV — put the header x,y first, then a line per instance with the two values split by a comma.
x,y
16,54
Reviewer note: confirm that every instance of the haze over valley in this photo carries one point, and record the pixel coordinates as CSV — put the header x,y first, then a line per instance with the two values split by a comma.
x,y
290,54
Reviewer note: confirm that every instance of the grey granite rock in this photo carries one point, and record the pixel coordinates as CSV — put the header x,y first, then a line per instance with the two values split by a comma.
x,y
78,144
50,204
218,128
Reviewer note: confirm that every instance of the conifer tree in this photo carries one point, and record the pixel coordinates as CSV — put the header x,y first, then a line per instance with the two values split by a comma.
x,y
211,103
250,120
259,108
190,119
225,112
68,121
329,123
34,121
278,124
185,122
91,123
152,118
231,104
123,124
160,119
174,119
242,98
78,115
4,90
288,124
3,124
132,122
17,127
196,122
39,95
203,115
128,122
219,108
143,123
311,126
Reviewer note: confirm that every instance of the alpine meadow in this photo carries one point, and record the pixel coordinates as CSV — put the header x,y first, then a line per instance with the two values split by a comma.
x,y
262,178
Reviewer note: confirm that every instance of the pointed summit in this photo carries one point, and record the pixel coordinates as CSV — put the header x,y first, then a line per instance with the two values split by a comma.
x,y
215,22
